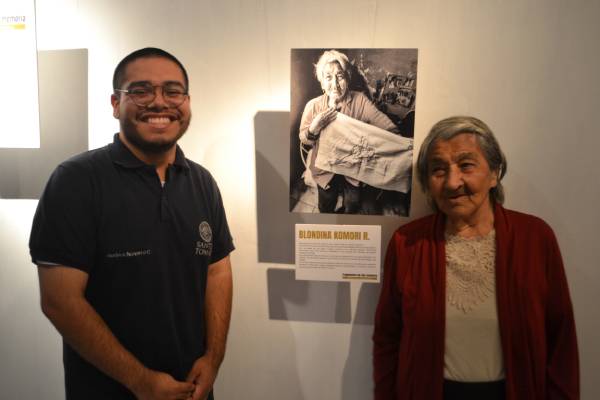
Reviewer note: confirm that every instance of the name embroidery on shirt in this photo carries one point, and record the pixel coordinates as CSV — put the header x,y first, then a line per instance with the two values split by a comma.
x,y
127,253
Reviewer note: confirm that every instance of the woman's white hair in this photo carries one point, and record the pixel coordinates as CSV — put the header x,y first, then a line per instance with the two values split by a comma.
x,y
329,57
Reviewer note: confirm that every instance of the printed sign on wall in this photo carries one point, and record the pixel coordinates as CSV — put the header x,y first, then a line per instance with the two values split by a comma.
x,y
338,252
18,75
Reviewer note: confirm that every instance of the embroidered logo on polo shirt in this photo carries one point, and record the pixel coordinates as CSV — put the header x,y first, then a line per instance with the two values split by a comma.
x,y
204,246
205,231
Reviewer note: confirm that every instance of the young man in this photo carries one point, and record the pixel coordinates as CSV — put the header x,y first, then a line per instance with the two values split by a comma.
x,y
132,247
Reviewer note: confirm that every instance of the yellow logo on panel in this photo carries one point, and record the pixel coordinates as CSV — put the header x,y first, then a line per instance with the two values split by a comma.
x,y
14,26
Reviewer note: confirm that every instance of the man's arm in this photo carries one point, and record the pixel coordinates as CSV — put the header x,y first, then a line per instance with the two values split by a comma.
x,y
62,298
217,309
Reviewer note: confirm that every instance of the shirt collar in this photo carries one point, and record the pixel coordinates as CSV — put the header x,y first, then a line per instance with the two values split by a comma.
x,y
122,156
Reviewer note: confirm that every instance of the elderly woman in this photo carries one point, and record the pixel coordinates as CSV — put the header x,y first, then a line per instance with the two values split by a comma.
x,y
333,73
475,302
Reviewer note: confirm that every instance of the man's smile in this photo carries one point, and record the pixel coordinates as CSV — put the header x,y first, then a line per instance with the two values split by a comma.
x,y
158,120
147,117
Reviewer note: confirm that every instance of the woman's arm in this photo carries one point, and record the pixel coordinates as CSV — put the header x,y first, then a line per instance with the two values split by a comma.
x,y
388,329
562,368
373,116
314,119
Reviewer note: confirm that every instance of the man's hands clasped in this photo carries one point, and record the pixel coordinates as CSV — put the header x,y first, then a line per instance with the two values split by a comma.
x,y
154,385
203,375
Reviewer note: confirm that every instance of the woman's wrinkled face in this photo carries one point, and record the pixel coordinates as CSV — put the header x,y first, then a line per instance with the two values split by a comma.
x,y
460,178
334,81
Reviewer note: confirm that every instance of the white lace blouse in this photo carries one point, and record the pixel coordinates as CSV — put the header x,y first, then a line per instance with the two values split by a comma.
x,y
473,352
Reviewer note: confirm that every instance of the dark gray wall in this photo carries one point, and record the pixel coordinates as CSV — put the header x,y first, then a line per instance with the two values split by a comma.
x,y
63,77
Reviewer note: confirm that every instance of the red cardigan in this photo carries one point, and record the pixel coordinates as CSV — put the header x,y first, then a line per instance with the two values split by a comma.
x,y
537,329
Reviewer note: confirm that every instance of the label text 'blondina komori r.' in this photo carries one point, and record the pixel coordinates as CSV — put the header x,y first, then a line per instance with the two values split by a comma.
x,y
337,235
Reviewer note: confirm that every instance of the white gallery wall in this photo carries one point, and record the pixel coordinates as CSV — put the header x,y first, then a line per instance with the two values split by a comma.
x,y
527,68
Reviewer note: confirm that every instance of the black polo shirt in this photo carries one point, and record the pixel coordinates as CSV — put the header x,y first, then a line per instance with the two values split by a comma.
x,y
146,248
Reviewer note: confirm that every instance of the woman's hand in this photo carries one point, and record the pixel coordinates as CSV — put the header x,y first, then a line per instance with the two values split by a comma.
x,y
320,121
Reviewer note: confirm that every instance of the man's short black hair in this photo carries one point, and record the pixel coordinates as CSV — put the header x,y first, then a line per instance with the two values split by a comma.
x,y
147,52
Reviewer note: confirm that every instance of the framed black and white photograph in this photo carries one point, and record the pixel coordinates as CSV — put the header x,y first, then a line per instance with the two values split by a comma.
x,y
351,130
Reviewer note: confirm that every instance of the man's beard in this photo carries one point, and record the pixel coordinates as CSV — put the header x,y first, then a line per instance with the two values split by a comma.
x,y
132,135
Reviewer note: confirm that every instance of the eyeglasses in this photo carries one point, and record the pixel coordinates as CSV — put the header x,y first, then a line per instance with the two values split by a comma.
x,y
143,95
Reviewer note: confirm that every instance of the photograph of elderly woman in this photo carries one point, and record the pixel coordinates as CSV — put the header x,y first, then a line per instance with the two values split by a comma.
x,y
351,126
